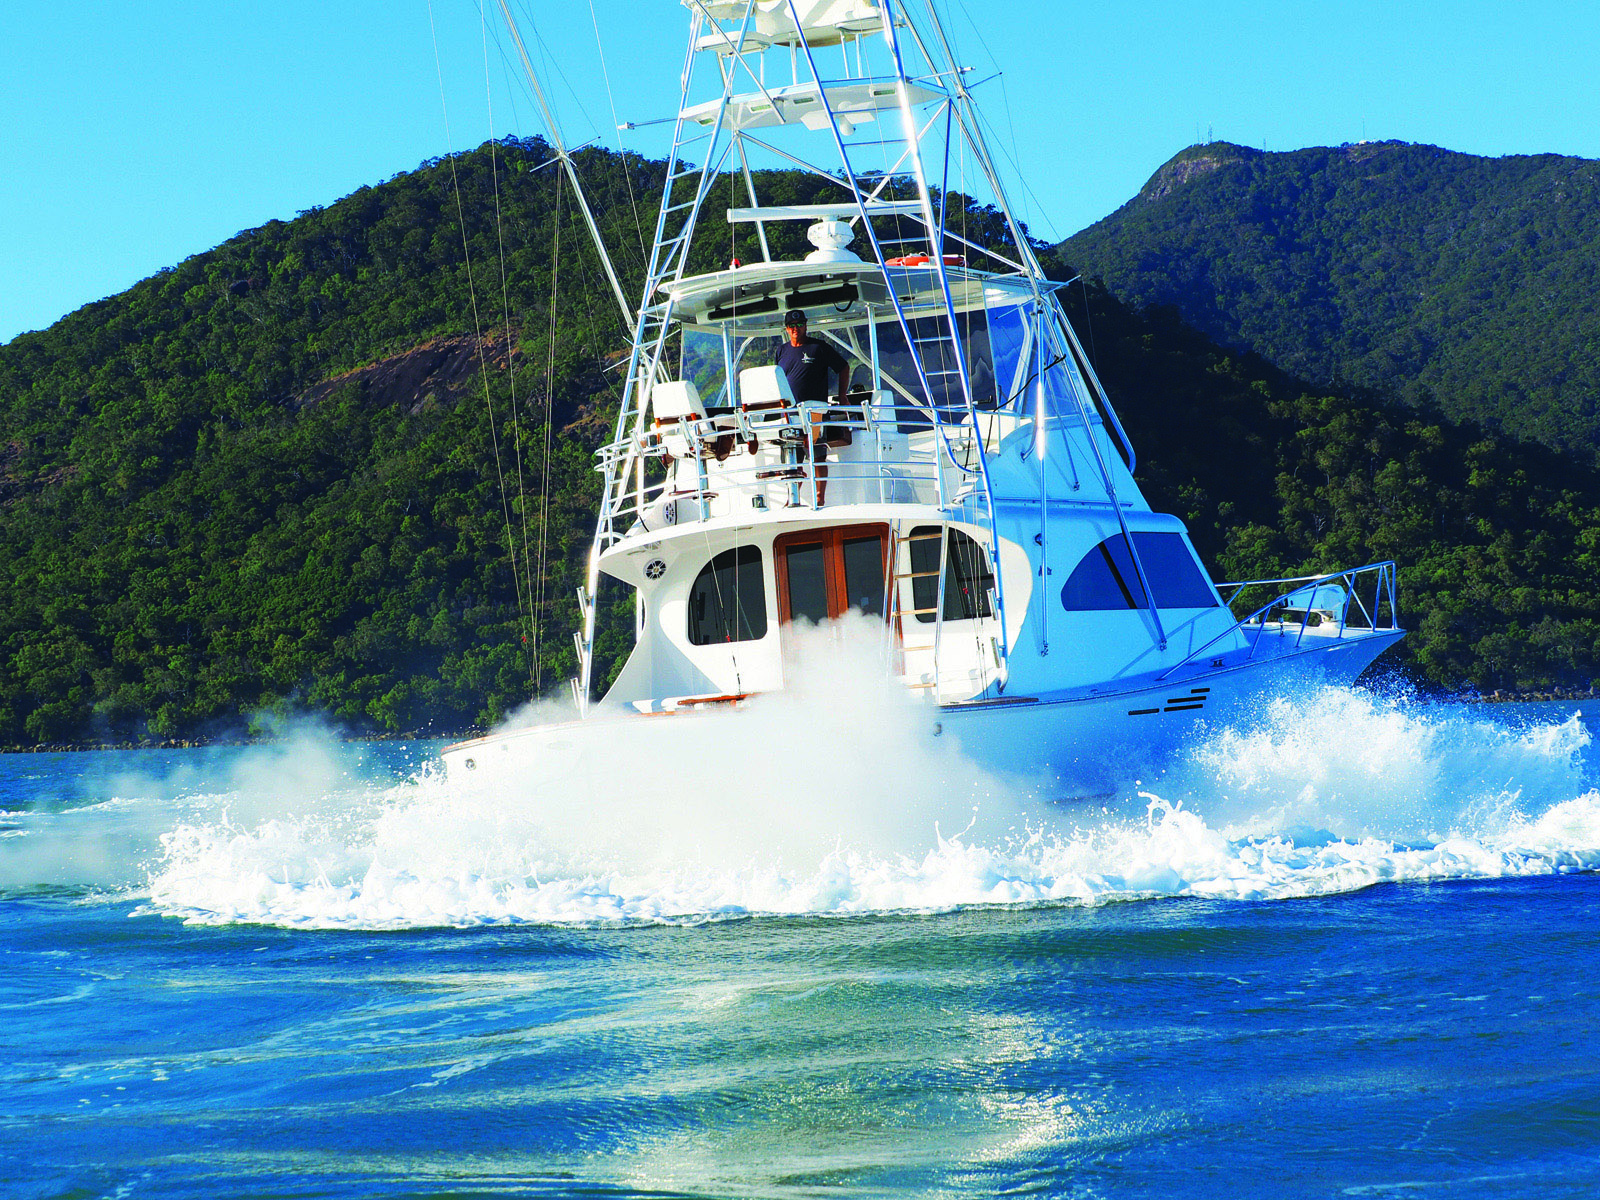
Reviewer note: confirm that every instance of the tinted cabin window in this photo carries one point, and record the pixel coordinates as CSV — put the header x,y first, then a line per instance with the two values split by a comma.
x,y
967,577
863,573
808,580
1174,575
728,602
939,366
1106,579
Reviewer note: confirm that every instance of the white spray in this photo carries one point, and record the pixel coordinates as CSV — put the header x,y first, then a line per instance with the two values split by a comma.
x,y
836,798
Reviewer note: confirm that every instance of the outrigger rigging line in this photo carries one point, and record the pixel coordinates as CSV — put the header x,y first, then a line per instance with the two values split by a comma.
x,y
558,144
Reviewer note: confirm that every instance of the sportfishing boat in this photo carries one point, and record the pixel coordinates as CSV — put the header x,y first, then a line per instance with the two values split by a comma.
x,y
895,433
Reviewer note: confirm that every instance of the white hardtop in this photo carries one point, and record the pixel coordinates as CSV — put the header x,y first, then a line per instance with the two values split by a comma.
x,y
772,22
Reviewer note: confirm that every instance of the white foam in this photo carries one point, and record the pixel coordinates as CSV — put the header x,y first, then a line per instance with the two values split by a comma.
x,y
106,834
791,808
1352,765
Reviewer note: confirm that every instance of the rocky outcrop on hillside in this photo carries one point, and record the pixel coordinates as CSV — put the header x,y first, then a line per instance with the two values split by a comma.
x,y
441,370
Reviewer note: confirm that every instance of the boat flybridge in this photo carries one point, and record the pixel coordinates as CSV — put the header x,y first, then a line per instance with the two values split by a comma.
x,y
967,507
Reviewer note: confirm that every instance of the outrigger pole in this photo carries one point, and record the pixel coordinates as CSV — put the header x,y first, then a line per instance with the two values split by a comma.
x,y
565,158
583,641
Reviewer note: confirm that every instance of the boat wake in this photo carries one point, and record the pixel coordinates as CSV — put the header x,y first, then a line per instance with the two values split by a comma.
x,y
1332,793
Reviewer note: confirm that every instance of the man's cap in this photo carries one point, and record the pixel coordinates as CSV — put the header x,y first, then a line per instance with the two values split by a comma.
x,y
795,316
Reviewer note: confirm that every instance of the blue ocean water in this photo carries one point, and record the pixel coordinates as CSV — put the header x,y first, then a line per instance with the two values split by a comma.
x,y
1346,952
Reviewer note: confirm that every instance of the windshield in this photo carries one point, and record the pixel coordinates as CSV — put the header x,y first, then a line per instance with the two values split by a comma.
x,y
705,365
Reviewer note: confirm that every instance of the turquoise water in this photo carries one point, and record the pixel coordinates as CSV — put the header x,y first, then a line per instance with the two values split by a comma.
x,y
1347,952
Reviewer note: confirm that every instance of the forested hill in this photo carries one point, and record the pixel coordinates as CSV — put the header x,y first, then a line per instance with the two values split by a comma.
x,y
1471,283
306,471
271,477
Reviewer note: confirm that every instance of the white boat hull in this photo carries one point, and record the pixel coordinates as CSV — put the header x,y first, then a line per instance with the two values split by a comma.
x,y
1094,744
1061,748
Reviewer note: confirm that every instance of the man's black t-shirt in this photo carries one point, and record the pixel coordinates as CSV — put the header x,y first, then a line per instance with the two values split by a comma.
x,y
811,368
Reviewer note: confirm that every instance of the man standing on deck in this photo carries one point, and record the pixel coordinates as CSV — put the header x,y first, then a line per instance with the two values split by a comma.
x,y
807,363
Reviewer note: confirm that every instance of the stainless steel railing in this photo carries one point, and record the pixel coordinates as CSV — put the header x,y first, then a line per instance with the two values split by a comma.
x,y
1297,607
899,456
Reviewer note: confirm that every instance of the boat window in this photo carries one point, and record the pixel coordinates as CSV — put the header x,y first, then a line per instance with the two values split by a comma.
x,y
1008,337
1106,578
967,577
980,358
728,602
1020,359
1175,577
939,362
760,350
705,366
863,573
1063,386
807,574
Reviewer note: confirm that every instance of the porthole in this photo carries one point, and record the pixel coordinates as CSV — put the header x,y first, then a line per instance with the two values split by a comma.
x,y
471,764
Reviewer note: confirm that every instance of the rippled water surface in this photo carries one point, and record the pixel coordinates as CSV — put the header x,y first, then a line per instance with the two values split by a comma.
x,y
1348,951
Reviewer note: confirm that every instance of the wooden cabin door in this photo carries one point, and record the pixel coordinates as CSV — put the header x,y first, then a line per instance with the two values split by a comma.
x,y
825,573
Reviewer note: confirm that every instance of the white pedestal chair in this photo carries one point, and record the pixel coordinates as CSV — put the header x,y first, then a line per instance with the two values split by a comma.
x,y
679,420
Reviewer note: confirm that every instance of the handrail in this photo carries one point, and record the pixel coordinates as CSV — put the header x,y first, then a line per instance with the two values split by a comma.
x,y
1385,572
911,465
753,473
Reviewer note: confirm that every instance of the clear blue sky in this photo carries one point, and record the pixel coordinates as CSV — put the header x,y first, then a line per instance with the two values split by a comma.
x,y
133,135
